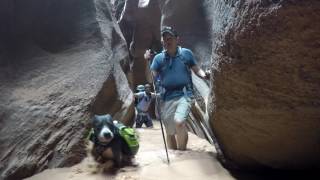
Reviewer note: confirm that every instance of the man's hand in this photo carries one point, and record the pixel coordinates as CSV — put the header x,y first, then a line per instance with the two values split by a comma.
x,y
201,73
149,54
207,74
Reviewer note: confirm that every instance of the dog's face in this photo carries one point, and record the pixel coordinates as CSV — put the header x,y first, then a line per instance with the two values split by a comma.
x,y
104,128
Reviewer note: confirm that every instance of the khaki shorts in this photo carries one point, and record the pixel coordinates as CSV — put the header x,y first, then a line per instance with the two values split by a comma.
x,y
175,111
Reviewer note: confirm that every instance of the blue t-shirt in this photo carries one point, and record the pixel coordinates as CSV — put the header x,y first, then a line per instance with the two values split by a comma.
x,y
174,71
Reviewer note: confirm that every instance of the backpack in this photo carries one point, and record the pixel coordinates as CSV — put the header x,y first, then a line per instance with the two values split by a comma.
x,y
137,100
130,136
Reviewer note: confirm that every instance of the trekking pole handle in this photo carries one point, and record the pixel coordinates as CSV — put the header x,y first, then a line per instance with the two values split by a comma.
x,y
149,54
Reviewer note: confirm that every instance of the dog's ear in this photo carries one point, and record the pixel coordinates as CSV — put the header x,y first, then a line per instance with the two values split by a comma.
x,y
108,117
95,120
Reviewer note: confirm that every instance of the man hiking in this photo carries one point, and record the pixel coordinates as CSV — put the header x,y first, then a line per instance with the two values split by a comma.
x,y
173,65
144,98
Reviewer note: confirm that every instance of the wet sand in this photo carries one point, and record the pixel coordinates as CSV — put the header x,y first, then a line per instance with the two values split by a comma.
x,y
197,162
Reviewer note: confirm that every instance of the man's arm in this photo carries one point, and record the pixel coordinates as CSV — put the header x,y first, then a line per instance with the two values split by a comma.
x,y
138,94
154,95
200,73
195,68
149,55
154,74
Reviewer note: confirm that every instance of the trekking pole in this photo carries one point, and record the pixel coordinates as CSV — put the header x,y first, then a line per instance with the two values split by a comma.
x,y
159,114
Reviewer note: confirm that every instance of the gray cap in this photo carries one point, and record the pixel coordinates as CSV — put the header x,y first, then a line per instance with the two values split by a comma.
x,y
170,30
140,87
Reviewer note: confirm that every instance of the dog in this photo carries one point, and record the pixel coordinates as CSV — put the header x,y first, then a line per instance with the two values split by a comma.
x,y
108,144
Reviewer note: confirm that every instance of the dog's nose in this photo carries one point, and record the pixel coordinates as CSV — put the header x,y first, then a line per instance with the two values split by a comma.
x,y
107,135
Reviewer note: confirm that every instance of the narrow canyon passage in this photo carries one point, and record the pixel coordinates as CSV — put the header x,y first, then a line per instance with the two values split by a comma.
x,y
61,62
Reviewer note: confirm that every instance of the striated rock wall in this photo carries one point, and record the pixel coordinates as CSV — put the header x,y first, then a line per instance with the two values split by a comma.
x,y
60,62
264,87
265,110
140,25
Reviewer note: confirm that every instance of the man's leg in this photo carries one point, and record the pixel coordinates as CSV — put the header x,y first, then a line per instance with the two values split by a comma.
x,y
182,136
171,141
148,122
167,115
139,121
180,117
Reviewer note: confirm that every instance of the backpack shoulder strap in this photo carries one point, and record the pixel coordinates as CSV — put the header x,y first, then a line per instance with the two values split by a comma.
x,y
183,52
163,58
183,58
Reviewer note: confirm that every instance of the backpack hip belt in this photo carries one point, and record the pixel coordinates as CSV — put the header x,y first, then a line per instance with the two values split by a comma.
x,y
142,113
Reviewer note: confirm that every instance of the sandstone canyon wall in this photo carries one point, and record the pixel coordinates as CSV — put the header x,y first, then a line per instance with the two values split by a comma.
x,y
60,62
262,101
265,87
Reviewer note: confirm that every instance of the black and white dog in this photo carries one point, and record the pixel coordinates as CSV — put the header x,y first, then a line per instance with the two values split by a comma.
x,y
108,144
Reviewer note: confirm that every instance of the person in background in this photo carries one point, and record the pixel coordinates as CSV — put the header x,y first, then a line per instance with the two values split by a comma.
x,y
143,97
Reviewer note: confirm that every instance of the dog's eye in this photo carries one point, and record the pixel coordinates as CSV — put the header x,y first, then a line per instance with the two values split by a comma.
x,y
98,124
98,128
